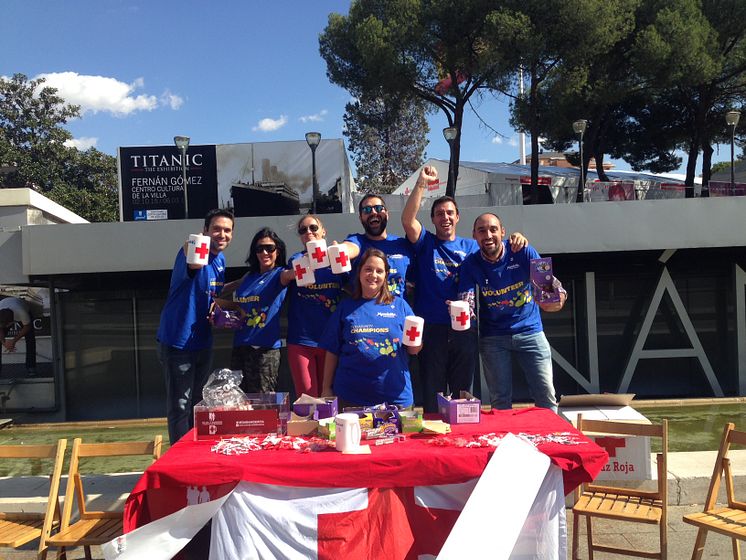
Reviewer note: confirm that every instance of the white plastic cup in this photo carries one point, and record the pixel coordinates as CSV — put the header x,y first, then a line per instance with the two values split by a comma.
x,y
339,259
317,253
347,432
413,327
460,315
304,275
198,249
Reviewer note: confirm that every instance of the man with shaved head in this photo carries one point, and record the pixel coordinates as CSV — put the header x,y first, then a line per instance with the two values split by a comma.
x,y
509,319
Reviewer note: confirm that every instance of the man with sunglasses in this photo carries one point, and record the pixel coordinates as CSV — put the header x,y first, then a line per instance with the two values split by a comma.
x,y
398,251
184,334
448,359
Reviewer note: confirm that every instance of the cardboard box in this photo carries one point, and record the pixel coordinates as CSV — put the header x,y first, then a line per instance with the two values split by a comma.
x,y
629,457
378,423
268,414
302,425
411,421
327,409
464,410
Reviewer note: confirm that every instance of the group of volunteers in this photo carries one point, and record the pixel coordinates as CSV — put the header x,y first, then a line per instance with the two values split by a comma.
x,y
345,332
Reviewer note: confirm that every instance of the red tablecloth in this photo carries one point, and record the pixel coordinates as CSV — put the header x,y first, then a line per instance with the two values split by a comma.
x,y
412,463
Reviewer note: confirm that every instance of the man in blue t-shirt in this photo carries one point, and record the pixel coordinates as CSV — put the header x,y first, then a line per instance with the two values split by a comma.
x,y
398,251
509,319
184,334
448,359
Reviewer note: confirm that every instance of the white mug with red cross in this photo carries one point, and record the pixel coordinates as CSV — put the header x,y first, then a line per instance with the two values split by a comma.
x,y
460,315
198,249
304,275
317,253
413,327
339,259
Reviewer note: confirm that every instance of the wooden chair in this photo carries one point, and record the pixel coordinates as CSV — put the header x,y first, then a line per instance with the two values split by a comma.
x,y
731,519
17,529
94,527
624,504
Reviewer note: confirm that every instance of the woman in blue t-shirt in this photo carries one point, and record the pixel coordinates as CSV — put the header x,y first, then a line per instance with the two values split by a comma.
x,y
309,309
260,293
365,361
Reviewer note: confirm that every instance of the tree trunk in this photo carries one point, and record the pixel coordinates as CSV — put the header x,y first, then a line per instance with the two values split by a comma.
x,y
707,151
455,150
691,166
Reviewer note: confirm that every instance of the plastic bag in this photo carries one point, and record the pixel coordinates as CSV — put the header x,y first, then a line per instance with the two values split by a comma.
x,y
223,390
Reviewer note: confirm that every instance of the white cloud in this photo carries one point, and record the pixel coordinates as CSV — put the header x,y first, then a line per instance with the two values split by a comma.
x,y
82,143
497,139
513,141
269,125
99,93
318,117
172,100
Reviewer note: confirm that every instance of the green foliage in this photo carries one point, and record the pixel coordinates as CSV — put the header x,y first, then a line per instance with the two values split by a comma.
x,y
32,148
387,140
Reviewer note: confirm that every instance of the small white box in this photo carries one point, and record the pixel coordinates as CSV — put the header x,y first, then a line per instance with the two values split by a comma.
x,y
629,457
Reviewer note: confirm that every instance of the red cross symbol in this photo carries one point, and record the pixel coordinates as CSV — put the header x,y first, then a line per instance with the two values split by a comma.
x,y
319,255
412,333
342,258
462,318
610,444
202,250
299,272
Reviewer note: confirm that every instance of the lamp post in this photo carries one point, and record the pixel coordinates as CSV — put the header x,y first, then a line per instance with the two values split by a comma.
x,y
450,134
313,139
731,119
579,127
182,143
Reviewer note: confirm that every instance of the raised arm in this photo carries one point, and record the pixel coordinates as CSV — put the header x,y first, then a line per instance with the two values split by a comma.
x,y
410,223
330,367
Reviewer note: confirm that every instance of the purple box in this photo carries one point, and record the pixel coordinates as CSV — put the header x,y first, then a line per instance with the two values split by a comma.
x,y
319,411
542,280
464,410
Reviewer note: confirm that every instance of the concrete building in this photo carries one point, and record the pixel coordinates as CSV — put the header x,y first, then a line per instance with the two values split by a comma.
x,y
657,299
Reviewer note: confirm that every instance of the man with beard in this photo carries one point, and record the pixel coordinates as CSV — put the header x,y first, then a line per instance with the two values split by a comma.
x,y
398,251
509,319
448,358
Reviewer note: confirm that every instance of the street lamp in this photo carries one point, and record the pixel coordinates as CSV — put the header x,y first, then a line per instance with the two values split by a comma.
x,y
313,139
450,134
579,127
182,143
731,119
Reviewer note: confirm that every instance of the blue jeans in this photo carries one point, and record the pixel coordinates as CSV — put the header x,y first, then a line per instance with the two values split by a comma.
x,y
535,358
186,373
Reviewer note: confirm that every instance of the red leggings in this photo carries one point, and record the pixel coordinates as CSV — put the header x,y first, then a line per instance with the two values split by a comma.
x,y
307,369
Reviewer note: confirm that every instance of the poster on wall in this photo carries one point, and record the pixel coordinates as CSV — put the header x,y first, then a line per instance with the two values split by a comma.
x,y
31,355
152,182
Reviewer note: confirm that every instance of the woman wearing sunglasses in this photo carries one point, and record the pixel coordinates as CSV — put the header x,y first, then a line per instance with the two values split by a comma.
x,y
260,293
310,309
366,363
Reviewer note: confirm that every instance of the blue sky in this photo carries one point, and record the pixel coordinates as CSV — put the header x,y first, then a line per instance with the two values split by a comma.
x,y
221,72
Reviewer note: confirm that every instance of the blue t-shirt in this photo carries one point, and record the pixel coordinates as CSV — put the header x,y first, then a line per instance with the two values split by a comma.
x,y
260,295
506,301
437,264
373,366
184,323
312,305
399,252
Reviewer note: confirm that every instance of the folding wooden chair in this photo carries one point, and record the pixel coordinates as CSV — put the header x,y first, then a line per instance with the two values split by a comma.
x,y
94,527
17,529
731,519
624,504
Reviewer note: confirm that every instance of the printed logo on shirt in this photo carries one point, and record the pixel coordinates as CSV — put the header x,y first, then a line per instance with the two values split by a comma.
x,y
386,314
396,256
512,266
460,253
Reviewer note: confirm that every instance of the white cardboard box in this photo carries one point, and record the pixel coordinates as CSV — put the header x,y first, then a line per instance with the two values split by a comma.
x,y
629,457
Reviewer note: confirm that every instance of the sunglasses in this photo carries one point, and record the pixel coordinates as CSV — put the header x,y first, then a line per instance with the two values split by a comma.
x,y
313,228
368,209
266,249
